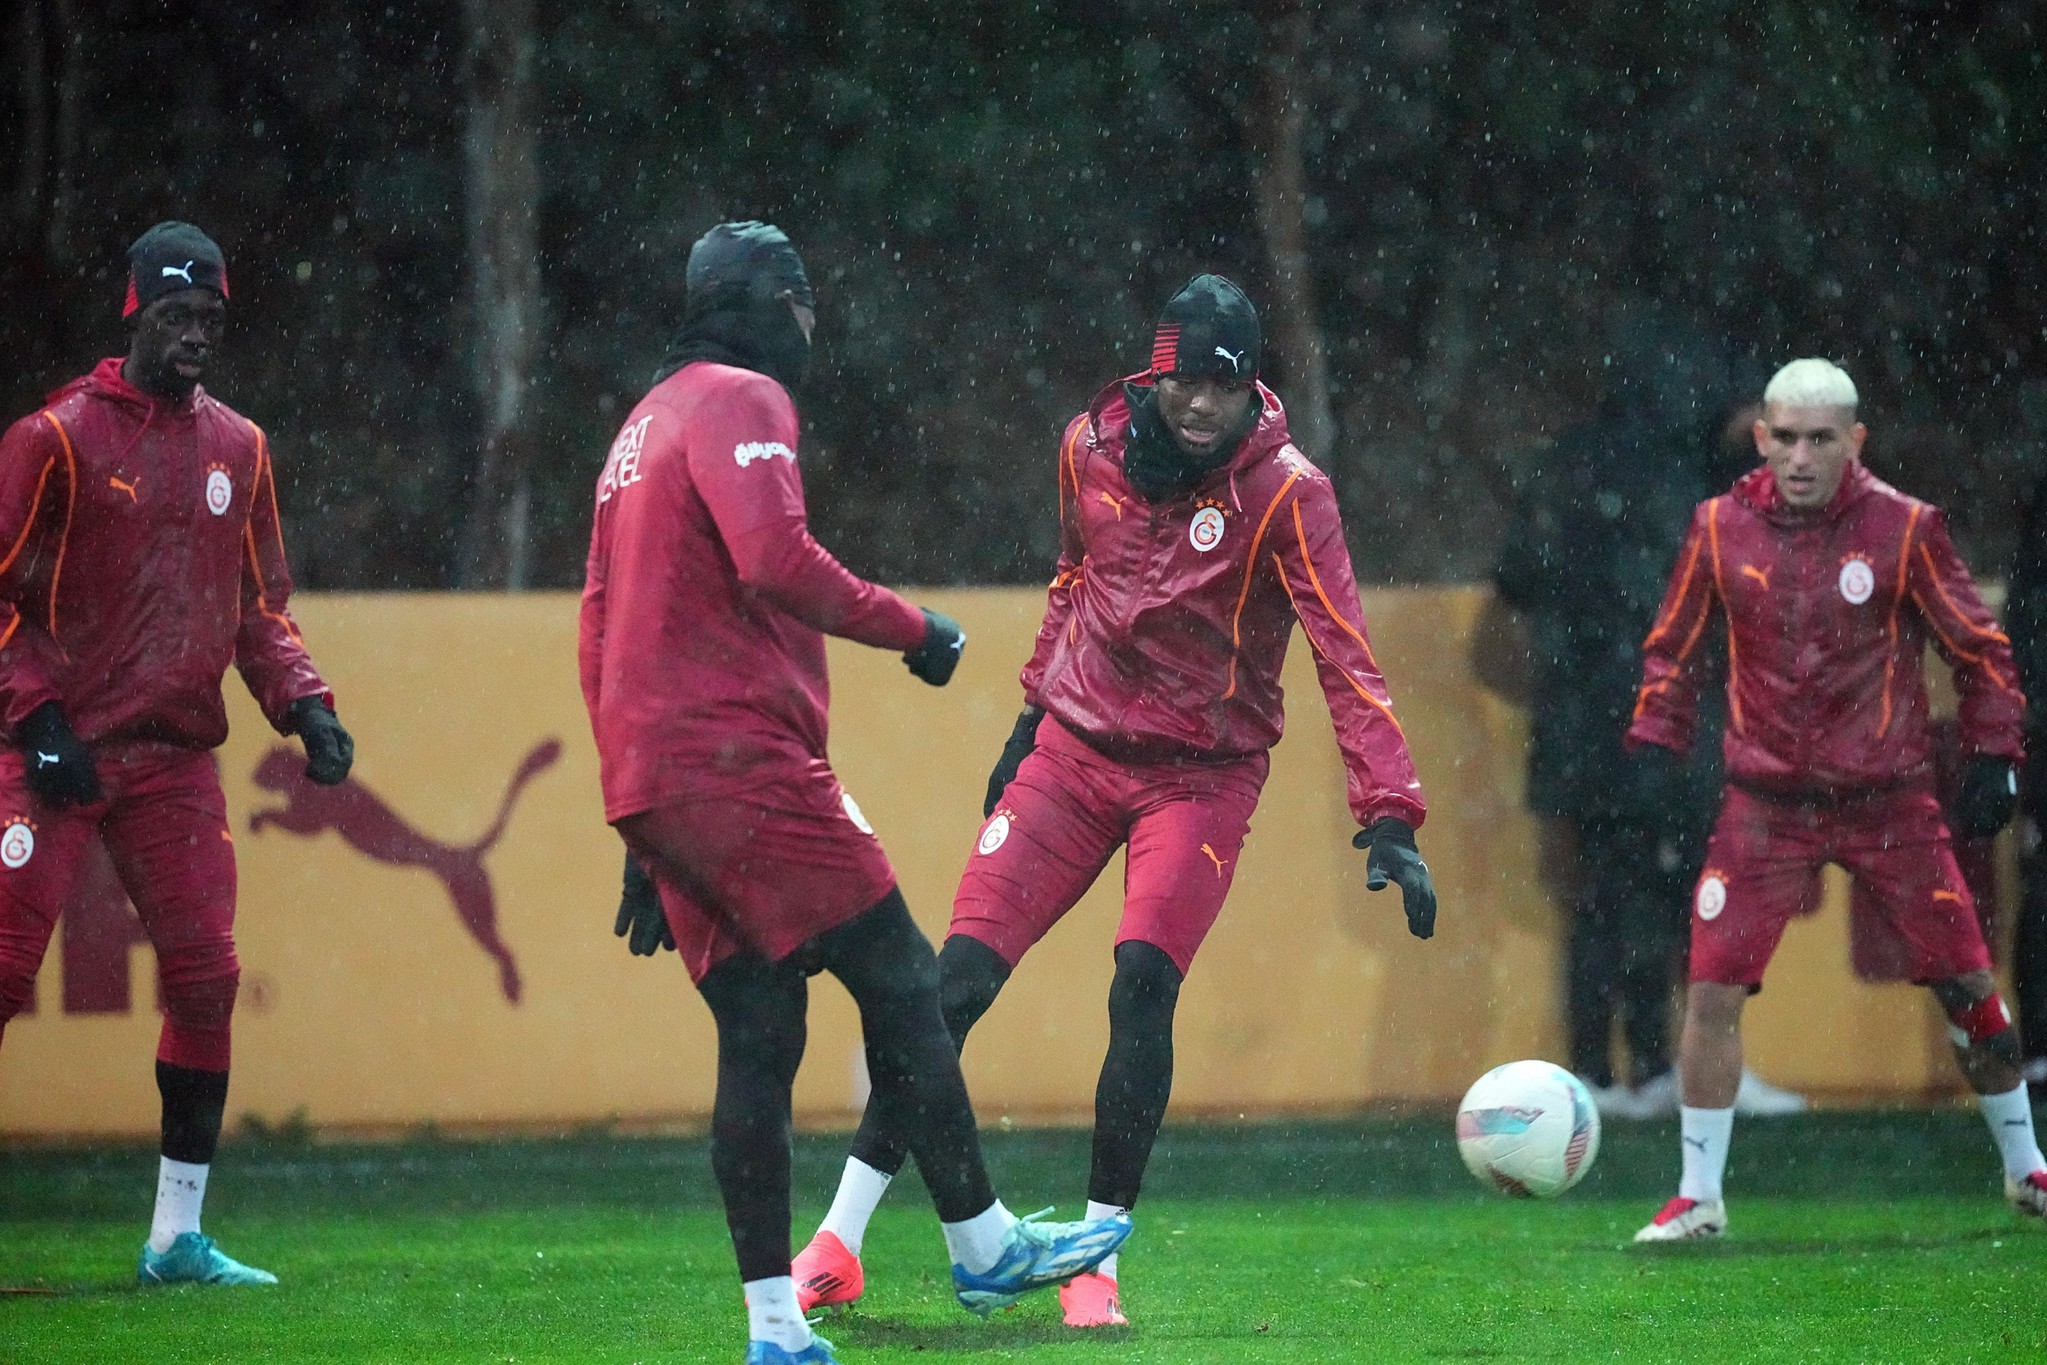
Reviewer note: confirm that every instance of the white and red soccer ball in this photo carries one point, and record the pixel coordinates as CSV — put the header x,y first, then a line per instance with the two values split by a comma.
x,y
1529,1129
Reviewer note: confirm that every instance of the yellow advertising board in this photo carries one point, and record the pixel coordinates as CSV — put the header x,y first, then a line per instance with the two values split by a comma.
x,y
431,943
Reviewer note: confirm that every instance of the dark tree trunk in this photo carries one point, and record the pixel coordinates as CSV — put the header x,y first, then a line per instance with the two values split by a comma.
x,y
503,190
1279,183
43,67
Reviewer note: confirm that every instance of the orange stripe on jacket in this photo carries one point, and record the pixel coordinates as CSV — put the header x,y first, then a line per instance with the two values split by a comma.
x,y
1720,587
30,524
1244,593
249,538
1067,469
1316,645
1684,652
1684,587
1883,726
70,507
1995,636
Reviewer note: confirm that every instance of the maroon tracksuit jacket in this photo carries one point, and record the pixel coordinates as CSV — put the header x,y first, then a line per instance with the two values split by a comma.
x,y
1828,615
1166,625
142,557
706,601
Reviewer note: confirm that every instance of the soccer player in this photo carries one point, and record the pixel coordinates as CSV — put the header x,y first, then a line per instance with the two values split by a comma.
x,y
143,556
1194,537
703,665
1830,584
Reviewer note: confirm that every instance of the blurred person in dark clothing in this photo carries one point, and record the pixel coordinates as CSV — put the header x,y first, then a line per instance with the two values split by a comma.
x,y
2025,621
1585,565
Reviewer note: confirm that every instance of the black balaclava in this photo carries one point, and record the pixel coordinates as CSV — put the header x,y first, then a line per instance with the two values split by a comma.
x,y
735,314
169,257
1209,329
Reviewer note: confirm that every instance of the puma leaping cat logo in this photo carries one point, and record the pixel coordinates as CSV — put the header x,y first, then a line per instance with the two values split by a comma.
x,y
372,828
1236,361
183,272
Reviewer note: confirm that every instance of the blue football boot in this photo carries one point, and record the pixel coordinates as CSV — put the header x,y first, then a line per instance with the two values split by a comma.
x,y
1035,1255
194,1259
819,1352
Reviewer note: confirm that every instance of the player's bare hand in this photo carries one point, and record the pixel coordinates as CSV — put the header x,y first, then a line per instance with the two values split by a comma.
x,y
1392,857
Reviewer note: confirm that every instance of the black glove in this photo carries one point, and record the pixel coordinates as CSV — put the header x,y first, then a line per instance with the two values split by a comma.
x,y
1015,750
60,767
1983,803
939,655
1394,858
330,753
641,922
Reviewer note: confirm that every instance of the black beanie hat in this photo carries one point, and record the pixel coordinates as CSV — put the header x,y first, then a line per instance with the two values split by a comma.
x,y
734,260
1209,328
169,257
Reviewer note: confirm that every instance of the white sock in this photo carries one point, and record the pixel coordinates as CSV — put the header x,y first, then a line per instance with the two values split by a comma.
x,y
772,1314
180,1190
1704,1134
2010,1117
1108,1266
977,1242
860,1190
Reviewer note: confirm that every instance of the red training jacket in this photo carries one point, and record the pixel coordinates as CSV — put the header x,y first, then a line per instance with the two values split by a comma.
x,y
706,601
143,555
1828,617
1166,625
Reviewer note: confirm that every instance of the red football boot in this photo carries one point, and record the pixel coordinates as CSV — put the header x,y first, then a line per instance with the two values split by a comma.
x,y
1090,1301
2028,1196
826,1274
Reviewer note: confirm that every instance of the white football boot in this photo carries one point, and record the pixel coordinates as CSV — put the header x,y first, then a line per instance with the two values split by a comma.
x,y
1657,1097
1757,1098
1685,1220
1614,1101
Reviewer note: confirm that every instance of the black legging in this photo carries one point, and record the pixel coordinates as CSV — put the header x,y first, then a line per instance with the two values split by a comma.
x,y
1137,1073
2029,942
886,964
194,1102
970,975
1625,942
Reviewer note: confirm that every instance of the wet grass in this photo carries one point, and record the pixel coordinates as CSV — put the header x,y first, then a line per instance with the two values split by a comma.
x,y
1856,1237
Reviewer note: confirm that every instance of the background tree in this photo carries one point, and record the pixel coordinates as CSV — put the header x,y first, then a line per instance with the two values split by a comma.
x,y
501,186
995,199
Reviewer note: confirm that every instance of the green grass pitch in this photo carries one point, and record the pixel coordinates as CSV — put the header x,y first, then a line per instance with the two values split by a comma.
x,y
1866,1236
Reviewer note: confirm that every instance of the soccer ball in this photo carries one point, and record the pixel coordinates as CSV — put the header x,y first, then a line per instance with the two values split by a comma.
x,y
1528,1128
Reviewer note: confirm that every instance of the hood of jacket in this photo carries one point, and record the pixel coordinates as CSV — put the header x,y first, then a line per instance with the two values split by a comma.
x,y
105,380
1109,430
1758,489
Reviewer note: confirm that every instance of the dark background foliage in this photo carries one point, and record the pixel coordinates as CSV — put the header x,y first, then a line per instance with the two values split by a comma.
x,y
994,199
